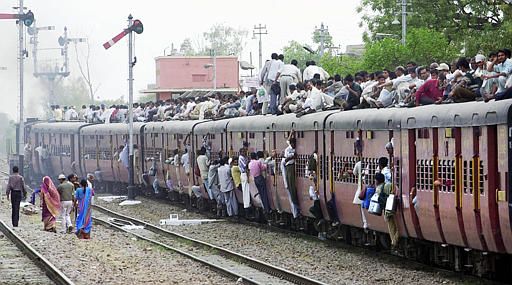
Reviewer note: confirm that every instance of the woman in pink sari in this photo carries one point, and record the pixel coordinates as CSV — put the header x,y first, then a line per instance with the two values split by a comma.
x,y
50,203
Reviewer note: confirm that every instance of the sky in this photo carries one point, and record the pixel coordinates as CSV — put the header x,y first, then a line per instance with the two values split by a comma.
x,y
165,23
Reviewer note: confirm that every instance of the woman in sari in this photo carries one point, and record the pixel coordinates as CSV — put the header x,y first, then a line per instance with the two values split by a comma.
x,y
50,202
83,221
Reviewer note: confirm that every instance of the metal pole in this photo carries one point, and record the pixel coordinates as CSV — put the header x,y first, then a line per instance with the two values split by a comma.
x,y
131,187
404,19
214,70
260,32
66,43
322,40
260,54
22,127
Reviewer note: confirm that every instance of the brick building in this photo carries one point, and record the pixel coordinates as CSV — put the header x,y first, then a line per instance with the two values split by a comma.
x,y
176,75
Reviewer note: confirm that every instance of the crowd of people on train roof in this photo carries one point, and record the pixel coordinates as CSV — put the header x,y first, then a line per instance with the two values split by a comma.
x,y
285,89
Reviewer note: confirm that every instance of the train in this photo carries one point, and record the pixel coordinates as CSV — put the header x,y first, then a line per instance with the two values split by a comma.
x,y
465,224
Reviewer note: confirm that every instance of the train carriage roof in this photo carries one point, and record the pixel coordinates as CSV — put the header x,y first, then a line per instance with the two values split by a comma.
x,y
456,115
172,127
286,122
58,127
213,127
365,119
111,129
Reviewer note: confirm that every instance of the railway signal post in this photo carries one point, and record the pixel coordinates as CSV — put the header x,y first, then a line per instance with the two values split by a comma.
x,y
133,26
22,19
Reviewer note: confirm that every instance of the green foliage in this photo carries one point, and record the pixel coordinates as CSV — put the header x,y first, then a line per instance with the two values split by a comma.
x,y
225,40
480,25
295,50
342,65
147,98
72,92
423,46
186,48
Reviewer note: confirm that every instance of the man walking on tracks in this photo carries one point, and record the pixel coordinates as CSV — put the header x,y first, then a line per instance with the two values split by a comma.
x,y
66,191
16,187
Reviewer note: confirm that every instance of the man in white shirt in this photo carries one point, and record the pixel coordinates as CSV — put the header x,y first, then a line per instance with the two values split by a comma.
x,y
288,74
289,165
71,114
312,69
275,66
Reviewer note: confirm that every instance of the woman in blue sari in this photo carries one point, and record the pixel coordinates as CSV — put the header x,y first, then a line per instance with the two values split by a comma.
x,y
83,221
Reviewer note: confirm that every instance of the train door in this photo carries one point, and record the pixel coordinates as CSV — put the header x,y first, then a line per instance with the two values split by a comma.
x,y
491,167
504,193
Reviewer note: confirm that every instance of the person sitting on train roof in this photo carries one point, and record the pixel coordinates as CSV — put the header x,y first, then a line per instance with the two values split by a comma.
x,y
464,86
502,68
353,96
431,91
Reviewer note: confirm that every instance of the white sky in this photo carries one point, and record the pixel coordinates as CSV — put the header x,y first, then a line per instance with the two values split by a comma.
x,y
165,22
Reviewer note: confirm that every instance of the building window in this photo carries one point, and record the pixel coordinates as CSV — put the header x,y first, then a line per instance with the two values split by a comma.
x,y
198,77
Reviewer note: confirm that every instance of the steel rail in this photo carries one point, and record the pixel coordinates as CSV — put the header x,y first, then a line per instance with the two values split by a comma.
x,y
182,252
254,263
51,271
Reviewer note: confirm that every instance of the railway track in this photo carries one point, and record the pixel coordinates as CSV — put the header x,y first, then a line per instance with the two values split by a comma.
x,y
15,265
238,266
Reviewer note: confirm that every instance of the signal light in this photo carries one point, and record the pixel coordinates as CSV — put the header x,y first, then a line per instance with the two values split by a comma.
x,y
137,27
28,18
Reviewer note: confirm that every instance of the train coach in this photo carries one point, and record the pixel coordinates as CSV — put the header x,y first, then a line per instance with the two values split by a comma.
x,y
463,222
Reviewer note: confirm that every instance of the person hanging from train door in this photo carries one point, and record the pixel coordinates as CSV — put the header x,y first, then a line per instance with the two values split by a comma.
x,y
203,163
257,169
227,186
213,184
389,216
384,168
289,174
176,161
244,175
185,161
316,209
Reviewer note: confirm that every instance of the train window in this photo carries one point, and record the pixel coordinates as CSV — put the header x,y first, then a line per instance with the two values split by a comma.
x,y
423,133
212,136
465,175
240,135
349,162
300,165
369,135
449,133
347,134
481,182
251,135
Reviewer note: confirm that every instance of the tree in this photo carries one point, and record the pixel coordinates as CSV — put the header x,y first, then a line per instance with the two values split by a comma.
x,y
225,40
477,24
86,72
72,92
422,46
342,65
186,48
295,50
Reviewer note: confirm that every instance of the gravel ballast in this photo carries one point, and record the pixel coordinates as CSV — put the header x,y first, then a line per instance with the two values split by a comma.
x,y
110,257
330,262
